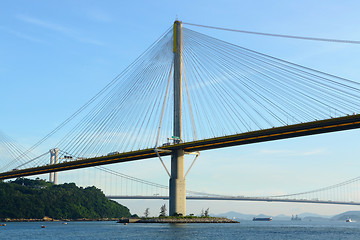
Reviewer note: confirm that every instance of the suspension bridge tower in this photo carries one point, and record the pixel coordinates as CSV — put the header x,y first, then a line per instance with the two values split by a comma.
x,y
54,158
177,179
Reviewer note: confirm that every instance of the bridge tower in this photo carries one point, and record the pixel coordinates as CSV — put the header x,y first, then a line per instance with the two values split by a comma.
x,y
177,180
54,157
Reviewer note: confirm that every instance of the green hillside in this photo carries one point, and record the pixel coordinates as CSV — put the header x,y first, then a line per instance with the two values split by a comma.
x,y
25,198
353,215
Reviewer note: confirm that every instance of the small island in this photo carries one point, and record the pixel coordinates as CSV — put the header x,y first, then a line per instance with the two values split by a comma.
x,y
185,219
38,200
204,218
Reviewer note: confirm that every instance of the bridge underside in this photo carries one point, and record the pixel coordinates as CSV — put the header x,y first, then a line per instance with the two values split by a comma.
x,y
245,199
276,133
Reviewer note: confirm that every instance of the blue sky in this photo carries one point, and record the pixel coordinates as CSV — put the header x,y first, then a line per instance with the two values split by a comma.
x,y
55,55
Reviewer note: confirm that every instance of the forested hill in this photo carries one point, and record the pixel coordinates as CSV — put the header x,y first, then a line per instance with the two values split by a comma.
x,y
35,199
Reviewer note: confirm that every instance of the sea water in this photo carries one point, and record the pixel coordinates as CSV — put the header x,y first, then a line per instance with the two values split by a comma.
x,y
245,230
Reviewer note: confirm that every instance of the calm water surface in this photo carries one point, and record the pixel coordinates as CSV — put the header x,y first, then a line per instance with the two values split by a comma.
x,y
244,230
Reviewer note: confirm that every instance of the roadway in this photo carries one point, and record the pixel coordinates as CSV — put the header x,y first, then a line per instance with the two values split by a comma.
x,y
276,133
241,198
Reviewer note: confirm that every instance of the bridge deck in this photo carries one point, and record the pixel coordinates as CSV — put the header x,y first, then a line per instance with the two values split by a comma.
x,y
276,133
250,199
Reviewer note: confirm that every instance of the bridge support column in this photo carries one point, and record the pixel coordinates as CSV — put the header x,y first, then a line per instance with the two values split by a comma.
x,y
54,157
177,184
177,180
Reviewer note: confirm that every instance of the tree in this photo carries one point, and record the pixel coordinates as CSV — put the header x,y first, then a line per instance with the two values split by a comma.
x,y
206,213
163,211
146,213
202,214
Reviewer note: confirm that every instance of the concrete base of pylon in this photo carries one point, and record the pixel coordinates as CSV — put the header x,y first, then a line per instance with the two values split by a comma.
x,y
177,197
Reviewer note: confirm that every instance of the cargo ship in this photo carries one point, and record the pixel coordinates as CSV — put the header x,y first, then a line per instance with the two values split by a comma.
x,y
296,218
262,219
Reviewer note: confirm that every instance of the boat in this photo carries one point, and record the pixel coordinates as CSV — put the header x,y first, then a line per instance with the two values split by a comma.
x,y
296,218
43,226
3,224
262,219
348,220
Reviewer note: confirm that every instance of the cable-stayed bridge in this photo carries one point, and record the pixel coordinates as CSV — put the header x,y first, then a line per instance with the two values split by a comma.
x,y
187,93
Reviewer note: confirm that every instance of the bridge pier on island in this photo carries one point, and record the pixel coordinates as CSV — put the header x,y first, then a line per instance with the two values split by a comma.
x,y
177,184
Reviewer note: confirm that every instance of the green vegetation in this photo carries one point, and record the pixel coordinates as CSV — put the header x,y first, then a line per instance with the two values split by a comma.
x,y
35,199
205,213
147,212
179,217
163,211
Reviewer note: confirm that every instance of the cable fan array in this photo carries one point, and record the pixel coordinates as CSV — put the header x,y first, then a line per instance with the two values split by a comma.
x,y
235,90
127,117
121,117
12,154
227,89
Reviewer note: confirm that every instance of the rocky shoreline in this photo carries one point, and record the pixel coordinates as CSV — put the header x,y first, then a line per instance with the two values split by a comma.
x,y
47,219
177,220
130,220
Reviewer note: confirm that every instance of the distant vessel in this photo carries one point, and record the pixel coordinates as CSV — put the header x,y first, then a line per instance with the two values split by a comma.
x,y
348,220
296,218
262,219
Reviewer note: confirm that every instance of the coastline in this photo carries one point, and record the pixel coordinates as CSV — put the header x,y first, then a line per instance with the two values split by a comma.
x,y
177,220
47,219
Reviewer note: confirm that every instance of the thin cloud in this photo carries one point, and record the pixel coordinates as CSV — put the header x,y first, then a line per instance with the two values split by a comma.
x,y
44,24
22,35
58,28
99,16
